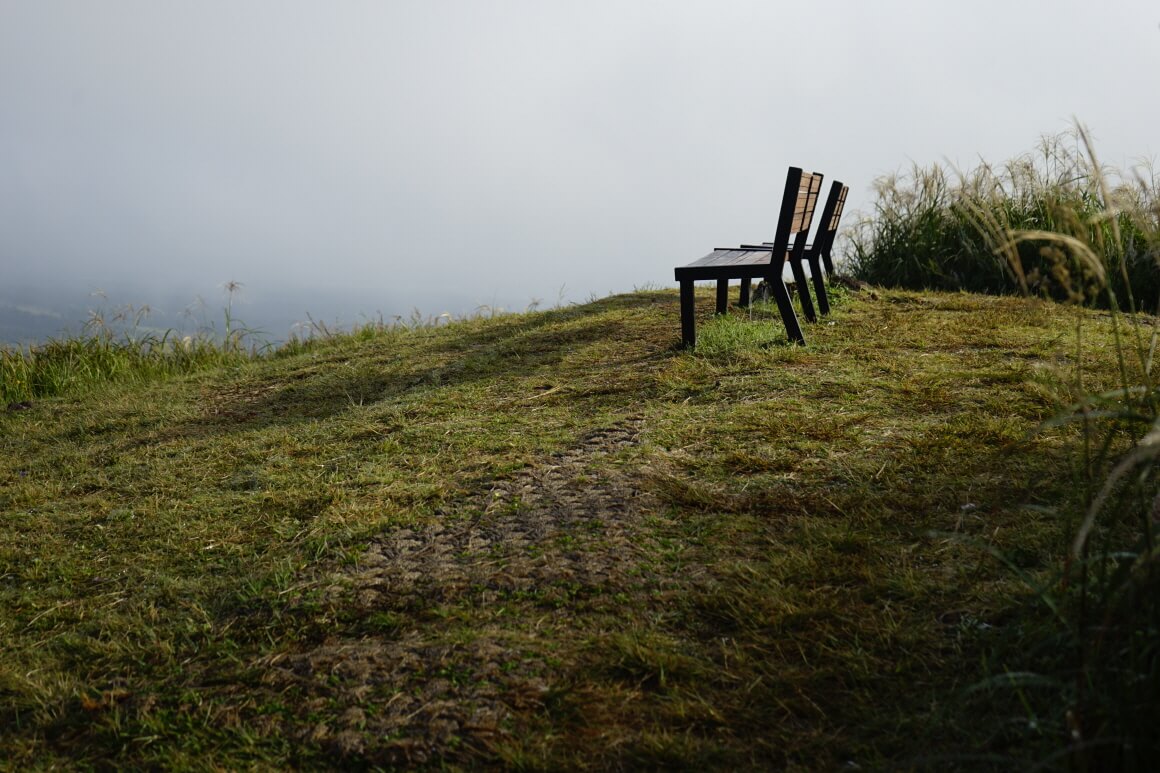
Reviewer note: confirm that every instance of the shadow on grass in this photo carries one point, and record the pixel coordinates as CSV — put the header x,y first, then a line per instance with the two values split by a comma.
x,y
569,344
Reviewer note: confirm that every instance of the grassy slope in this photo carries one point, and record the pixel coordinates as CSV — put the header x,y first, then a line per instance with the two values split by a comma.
x,y
792,572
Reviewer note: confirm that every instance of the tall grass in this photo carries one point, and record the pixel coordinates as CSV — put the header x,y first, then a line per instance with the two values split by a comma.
x,y
936,228
117,346
1059,224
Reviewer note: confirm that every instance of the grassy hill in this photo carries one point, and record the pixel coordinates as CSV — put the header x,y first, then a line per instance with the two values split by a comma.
x,y
556,540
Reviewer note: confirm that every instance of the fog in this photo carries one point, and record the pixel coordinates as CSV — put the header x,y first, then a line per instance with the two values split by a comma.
x,y
355,159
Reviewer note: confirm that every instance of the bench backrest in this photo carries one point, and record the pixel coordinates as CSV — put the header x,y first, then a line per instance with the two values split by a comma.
x,y
797,212
831,215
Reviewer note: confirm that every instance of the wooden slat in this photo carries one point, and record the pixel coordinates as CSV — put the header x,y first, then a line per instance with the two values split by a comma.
x,y
833,224
807,199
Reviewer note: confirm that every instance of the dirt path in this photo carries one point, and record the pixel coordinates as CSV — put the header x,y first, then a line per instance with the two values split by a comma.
x,y
538,531
450,668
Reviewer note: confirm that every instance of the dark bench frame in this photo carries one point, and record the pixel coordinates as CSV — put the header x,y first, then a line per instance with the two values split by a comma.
x,y
819,252
760,262
831,216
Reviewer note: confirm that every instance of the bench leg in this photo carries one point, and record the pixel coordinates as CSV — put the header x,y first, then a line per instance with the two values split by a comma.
x,y
744,300
819,285
688,322
829,263
785,306
722,295
799,276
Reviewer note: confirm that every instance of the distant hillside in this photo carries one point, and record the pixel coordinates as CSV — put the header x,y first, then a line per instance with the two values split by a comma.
x,y
26,324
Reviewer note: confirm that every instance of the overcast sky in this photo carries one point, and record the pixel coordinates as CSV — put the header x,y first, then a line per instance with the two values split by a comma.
x,y
390,154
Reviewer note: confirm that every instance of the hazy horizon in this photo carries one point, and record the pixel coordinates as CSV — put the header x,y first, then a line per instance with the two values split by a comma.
x,y
38,314
359,158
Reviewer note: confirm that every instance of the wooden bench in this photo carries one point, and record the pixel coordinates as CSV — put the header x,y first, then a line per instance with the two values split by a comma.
x,y
760,261
819,252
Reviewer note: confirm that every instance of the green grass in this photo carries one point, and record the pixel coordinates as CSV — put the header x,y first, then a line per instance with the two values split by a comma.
x,y
749,555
